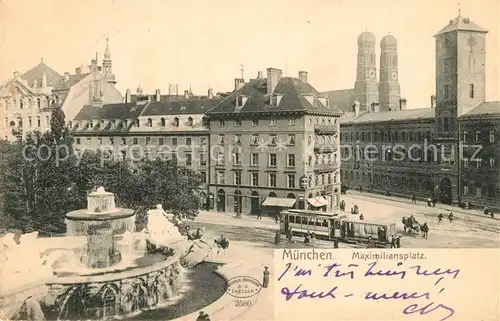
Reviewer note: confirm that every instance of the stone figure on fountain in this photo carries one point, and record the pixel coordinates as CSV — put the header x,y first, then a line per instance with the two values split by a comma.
x,y
161,231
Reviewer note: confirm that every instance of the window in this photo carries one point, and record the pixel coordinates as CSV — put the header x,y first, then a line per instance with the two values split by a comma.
x,y
255,139
237,178
203,159
466,190
203,141
478,191
272,122
124,141
237,139
471,91
99,139
135,141
78,141
309,140
464,135
272,138
190,122
221,123
466,162
174,141
291,121
492,162
478,135
479,162
236,158
271,180
255,122
150,122
291,139
237,123
203,177
38,103
272,160
29,121
188,141
492,136
111,140
162,122
291,180
161,141
254,178
221,159
221,177
148,140
47,120
446,91
38,121
254,159
176,122
189,159
290,160
446,124
221,139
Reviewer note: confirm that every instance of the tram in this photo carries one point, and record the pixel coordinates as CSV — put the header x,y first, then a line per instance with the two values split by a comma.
x,y
334,226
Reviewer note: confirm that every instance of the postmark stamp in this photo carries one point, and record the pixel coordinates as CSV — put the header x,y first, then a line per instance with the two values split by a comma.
x,y
243,287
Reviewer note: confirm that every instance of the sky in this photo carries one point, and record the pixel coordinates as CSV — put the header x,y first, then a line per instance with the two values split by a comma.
x,y
203,43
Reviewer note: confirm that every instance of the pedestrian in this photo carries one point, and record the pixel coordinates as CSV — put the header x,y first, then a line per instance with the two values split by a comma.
x,y
414,199
398,241
335,243
369,243
201,317
313,240
259,215
361,217
265,277
207,318
429,202
393,242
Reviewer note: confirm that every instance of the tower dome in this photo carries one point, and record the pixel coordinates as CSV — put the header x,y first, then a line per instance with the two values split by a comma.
x,y
388,40
366,37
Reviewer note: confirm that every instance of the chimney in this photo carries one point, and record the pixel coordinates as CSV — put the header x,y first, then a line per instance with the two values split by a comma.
x,y
66,76
128,96
273,77
402,104
260,75
78,70
303,76
355,108
17,74
210,93
157,95
186,94
238,83
433,101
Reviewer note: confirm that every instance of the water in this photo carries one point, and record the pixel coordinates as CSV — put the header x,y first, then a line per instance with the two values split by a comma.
x,y
193,295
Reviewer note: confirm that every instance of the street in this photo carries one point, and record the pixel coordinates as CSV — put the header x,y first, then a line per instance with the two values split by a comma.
x,y
466,231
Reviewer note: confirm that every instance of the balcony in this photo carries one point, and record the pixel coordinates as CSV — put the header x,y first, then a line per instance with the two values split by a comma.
x,y
444,136
325,129
324,148
322,168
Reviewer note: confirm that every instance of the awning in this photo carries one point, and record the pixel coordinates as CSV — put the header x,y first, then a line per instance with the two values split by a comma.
x,y
281,202
317,201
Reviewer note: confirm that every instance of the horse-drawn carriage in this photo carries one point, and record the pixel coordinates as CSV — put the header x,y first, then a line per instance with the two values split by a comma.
x,y
411,225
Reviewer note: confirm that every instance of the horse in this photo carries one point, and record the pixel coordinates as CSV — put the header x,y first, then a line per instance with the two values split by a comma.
x,y
410,224
425,230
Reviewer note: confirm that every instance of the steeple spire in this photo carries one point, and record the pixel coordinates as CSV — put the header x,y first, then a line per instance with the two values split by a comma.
x,y
107,54
459,10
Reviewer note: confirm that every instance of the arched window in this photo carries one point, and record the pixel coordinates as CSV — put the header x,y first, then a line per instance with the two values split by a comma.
x,y
176,122
162,122
190,121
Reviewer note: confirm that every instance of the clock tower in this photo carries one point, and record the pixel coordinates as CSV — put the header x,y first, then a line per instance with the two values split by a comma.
x,y
366,85
389,89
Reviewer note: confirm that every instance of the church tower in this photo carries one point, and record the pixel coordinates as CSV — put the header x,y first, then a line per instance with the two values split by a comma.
x,y
389,89
107,66
366,85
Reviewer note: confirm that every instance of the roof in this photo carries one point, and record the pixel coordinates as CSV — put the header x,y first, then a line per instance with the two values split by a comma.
x,y
110,111
386,116
484,109
179,107
342,99
366,37
37,72
461,23
73,79
292,91
388,40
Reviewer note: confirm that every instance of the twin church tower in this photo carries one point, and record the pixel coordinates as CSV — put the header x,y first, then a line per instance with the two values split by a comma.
x,y
372,94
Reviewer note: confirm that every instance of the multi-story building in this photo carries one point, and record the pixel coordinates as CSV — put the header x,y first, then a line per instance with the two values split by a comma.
x,y
417,151
274,144
150,126
27,99
480,172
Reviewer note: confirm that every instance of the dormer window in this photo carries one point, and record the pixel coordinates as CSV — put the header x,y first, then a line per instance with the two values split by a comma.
x,y
176,122
125,123
204,122
113,123
240,101
137,123
190,122
91,124
150,122
274,100
162,122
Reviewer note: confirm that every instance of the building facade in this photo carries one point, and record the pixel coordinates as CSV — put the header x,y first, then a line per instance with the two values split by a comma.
x,y
426,141
274,144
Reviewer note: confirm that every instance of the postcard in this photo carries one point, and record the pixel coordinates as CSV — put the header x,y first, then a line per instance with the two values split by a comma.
x,y
250,160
